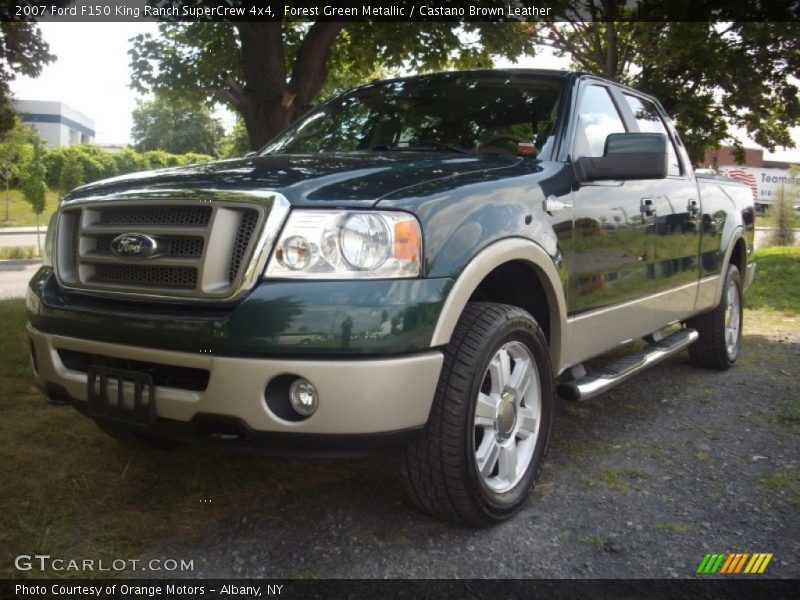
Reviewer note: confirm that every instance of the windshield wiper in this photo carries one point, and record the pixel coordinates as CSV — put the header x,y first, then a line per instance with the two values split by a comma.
x,y
418,145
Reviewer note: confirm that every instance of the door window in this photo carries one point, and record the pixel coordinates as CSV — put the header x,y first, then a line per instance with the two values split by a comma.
x,y
649,121
597,118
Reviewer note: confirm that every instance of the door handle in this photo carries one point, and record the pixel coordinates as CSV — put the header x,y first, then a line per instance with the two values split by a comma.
x,y
647,207
554,205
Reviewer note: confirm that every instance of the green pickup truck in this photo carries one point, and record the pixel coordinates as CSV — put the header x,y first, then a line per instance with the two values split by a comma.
x,y
419,264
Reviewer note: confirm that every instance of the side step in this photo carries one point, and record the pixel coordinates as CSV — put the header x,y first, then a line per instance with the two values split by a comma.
x,y
620,370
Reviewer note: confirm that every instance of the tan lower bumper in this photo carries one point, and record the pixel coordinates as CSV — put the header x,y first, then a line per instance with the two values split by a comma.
x,y
356,396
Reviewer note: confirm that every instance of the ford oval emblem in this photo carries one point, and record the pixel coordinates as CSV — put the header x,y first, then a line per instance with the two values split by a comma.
x,y
133,245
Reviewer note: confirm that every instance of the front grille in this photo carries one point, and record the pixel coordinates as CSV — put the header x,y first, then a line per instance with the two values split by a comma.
x,y
156,215
184,378
178,277
202,249
175,245
243,237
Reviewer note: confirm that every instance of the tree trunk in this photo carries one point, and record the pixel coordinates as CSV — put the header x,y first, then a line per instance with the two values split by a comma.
x,y
264,119
267,102
610,70
38,240
8,199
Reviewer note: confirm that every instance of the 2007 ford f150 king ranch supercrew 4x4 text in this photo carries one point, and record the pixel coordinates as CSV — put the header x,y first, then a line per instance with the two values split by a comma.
x,y
419,264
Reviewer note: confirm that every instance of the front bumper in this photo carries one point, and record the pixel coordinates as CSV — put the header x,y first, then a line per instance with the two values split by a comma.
x,y
357,396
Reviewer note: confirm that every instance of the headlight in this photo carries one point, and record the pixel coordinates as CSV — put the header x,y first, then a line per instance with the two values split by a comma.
x,y
319,244
49,241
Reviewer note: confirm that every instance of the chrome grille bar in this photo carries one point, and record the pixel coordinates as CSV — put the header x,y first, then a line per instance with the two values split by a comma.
x,y
207,249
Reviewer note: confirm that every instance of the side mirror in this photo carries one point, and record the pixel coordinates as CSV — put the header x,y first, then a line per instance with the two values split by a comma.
x,y
627,156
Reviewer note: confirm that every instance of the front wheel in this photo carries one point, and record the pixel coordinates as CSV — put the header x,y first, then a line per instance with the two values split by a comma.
x,y
721,329
487,434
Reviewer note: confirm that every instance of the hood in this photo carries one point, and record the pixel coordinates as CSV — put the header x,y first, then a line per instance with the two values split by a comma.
x,y
355,179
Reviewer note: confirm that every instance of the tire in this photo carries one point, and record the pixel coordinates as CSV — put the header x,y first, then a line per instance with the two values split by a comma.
x,y
460,468
721,329
130,438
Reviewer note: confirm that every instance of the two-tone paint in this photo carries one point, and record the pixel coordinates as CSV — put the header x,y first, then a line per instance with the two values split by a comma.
x,y
477,213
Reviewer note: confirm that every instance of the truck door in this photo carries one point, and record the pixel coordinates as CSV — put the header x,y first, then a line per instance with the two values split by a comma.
x,y
675,206
612,255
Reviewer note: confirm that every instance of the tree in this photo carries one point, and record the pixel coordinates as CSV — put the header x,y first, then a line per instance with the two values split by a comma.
x,y
236,143
175,125
710,76
71,173
33,186
22,50
13,152
271,73
783,212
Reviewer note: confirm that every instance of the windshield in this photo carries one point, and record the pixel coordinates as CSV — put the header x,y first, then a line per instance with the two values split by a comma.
x,y
471,113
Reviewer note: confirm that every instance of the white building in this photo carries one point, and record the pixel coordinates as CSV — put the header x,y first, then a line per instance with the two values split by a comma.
x,y
55,122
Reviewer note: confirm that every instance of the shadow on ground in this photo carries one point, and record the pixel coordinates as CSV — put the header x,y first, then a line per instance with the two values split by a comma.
x,y
640,482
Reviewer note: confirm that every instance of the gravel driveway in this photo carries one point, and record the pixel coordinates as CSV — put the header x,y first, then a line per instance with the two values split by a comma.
x,y
641,482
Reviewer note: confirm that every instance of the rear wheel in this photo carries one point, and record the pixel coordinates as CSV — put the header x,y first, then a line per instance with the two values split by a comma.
x,y
487,434
721,329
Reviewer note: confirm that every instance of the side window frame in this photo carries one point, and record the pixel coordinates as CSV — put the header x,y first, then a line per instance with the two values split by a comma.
x,y
671,135
627,120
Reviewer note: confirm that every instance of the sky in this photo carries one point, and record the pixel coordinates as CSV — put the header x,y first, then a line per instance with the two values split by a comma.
x,y
92,76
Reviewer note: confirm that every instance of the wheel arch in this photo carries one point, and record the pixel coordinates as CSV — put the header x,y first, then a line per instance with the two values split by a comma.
x,y
500,259
735,254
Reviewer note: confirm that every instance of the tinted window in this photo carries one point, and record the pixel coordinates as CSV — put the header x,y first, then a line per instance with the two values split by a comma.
x,y
649,121
597,118
471,113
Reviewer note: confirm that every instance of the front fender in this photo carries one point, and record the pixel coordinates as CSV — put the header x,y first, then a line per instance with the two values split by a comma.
x,y
491,257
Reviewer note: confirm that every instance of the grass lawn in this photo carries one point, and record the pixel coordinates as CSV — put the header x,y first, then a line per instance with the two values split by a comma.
x,y
777,284
68,490
20,213
768,220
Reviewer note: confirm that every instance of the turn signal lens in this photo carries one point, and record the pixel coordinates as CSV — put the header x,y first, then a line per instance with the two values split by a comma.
x,y
407,240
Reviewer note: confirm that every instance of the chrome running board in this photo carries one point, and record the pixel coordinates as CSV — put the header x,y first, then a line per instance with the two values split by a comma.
x,y
622,369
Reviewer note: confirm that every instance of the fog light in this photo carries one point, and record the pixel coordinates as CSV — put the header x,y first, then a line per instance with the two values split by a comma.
x,y
303,397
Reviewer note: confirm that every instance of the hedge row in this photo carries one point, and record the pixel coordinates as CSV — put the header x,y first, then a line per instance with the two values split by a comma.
x,y
97,163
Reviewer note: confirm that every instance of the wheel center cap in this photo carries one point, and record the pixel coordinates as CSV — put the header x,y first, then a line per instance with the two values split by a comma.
x,y
506,415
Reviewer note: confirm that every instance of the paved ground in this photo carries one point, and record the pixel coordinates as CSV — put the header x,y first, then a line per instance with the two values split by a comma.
x,y
19,236
640,482
15,275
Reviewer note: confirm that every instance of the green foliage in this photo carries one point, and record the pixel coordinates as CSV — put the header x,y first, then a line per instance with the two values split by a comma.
x,y
21,213
236,143
32,182
14,153
18,252
777,283
175,125
784,216
711,77
97,163
71,175
22,51
259,71
129,161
